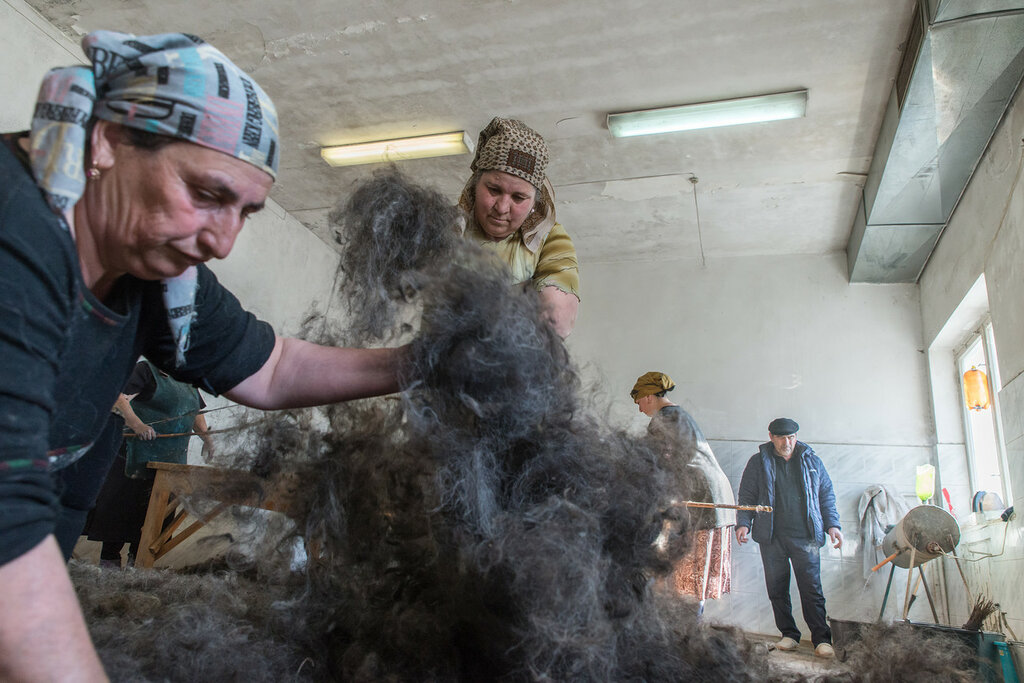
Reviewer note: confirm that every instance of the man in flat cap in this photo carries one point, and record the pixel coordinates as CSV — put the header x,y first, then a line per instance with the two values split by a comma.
x,y
787,475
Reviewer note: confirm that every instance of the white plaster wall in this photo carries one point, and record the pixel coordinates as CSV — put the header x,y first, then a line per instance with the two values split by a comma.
x,y
32,46
278,269
986,236
281,272
750,339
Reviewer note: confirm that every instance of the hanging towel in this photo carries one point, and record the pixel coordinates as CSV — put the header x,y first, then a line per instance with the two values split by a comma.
x,y
879,507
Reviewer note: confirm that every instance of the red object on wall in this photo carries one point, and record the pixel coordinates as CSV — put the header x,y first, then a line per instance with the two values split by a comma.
x,y
949,503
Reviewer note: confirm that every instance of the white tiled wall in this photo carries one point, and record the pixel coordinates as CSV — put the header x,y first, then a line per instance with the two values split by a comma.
x,y
998,578
952,475
847,595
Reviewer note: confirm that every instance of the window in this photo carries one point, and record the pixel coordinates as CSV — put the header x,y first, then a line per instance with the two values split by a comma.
x,y
986,455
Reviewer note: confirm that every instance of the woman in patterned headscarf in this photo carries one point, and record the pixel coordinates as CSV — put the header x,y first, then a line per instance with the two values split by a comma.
x,y
509,209
139,167
706,571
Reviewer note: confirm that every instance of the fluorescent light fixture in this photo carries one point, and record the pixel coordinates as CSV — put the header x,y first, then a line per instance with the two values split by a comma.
x,y
439,145
775,107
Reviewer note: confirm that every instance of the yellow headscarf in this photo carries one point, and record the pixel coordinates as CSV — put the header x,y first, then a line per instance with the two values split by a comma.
x,y
651,383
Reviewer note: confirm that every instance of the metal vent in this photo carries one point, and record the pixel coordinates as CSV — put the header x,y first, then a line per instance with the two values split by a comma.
x,y
911,50
955,81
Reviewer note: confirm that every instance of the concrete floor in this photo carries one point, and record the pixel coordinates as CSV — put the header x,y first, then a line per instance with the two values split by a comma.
x,y
800,662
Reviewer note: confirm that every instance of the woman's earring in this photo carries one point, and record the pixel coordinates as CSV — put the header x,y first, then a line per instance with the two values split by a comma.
x,y
93,173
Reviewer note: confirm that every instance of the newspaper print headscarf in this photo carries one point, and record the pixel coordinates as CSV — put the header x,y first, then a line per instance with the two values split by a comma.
x,y
171,84
512,147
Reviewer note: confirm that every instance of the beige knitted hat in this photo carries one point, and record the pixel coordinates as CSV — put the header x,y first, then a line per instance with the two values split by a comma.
x,y
513,147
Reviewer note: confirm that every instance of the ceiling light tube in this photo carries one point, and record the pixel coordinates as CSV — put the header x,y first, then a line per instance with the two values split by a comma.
x,y
400,149
775,107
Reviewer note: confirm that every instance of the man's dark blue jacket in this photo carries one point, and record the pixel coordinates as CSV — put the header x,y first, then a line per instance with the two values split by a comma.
x,y
757,487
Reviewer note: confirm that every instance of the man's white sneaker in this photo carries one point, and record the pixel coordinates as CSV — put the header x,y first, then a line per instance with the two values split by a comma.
x,y
824,650
786,644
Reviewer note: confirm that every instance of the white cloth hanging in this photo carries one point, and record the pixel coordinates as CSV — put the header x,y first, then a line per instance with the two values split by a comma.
x,y
879,507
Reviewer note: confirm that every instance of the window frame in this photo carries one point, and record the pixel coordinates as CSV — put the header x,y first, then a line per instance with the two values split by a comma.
x,y
983,333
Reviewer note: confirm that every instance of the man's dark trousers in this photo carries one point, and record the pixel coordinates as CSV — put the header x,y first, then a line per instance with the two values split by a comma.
x,y
803,554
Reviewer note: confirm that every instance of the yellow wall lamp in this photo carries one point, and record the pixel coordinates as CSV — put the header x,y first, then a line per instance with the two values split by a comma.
x,y
399,149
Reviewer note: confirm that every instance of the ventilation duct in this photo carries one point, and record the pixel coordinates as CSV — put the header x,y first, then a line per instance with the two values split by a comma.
x,y
962,64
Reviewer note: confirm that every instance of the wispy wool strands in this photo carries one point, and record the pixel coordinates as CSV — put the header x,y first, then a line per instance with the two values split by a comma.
x,y
484,526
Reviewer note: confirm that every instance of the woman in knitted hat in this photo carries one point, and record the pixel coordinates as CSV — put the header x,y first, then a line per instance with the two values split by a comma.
x,y
139,166
509,209
705,571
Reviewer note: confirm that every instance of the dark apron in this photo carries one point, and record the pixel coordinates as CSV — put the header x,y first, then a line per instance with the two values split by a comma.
x,y
171,399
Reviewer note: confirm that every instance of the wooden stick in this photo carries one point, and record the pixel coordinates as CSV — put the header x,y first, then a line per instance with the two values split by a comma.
x,y
910,575
917,583
927,592
130,435
204,411
755,508
886,561
133,435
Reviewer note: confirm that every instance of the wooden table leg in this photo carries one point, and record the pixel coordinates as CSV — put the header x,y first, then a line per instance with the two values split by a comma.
x,y
151,528
166,543
174,483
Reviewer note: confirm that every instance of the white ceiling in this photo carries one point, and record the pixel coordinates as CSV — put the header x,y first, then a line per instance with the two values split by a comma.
x,y
343,71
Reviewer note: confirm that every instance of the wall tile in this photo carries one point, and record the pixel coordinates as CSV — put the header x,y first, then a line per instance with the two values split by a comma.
x,y
847,594
747,571
881,464
719,611
960,496
748,611
1011,404
1005,587
852,468
1015,463
952,464
732,457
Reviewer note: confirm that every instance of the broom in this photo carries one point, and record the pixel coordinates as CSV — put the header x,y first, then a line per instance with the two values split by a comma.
x,y
983,607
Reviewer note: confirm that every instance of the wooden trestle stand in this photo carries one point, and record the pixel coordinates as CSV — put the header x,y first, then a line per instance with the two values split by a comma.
x,y
174,482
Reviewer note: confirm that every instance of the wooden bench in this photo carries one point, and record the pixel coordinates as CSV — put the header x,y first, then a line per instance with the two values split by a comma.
x,y
173,483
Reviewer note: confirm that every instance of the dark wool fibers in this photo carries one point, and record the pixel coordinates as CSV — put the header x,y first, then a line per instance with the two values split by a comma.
x,y
484,525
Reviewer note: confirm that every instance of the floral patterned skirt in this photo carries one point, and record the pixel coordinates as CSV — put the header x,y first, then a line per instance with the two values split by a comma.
x,y
705,571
